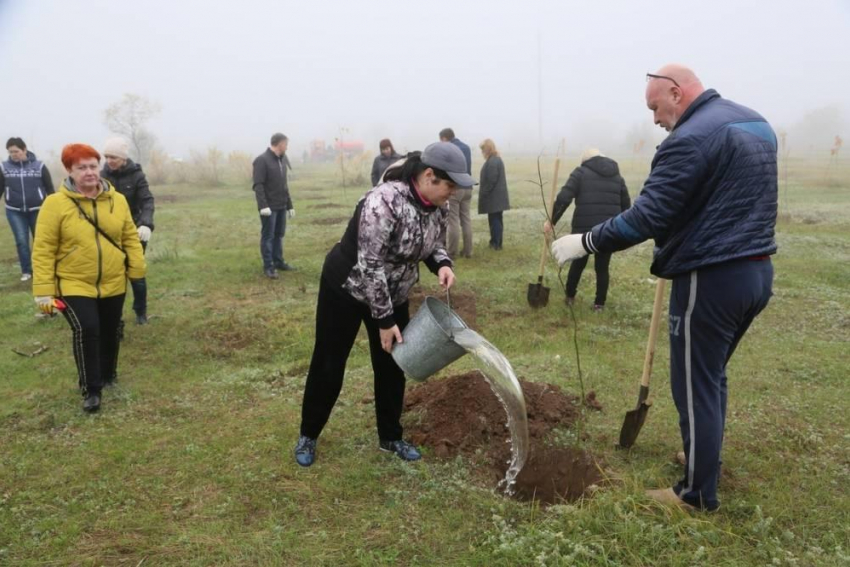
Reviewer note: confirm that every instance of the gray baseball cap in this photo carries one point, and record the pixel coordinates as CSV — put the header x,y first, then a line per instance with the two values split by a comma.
x,y
449,158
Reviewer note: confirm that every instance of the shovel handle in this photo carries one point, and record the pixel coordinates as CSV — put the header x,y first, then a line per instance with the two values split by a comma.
x,y
549,212
653,333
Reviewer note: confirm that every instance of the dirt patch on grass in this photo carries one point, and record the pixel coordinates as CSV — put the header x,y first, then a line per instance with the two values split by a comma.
x,y
330,221
460,415
464,303
328,206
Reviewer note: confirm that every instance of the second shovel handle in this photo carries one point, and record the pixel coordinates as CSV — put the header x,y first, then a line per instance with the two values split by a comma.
x,y
653,333
549,212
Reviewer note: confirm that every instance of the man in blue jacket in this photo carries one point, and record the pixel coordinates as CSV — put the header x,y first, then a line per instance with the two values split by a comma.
x,y
710,204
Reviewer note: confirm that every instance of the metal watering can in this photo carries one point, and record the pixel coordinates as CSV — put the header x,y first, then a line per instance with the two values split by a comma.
x,y
429,344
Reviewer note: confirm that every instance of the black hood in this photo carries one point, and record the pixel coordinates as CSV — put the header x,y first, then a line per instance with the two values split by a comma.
x,y
606,167
129,167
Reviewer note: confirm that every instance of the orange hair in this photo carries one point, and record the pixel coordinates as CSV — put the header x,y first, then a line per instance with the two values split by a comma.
x,y
73,153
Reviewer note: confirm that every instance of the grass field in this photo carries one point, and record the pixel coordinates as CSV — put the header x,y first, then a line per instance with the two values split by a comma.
x,y
189,462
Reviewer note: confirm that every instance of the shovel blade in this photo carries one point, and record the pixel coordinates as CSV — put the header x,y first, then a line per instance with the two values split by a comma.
x,y
538,295
632,425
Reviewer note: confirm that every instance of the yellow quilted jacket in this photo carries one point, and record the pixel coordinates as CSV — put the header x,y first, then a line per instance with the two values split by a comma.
x,y
70,257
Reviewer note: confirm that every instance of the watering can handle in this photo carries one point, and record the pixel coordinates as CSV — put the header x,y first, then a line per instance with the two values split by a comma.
x,y
549,212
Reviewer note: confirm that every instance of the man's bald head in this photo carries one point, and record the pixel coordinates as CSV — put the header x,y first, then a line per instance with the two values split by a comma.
x,y
669,93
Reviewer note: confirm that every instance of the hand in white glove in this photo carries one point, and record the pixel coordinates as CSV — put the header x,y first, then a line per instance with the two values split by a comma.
x,y
265,212
144,233
572,247
45,303
291,213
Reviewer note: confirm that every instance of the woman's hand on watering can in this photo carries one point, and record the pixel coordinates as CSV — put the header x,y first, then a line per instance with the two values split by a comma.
x,y
447,277
389,337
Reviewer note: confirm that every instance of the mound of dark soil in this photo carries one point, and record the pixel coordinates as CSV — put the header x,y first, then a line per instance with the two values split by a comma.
x,y
461,415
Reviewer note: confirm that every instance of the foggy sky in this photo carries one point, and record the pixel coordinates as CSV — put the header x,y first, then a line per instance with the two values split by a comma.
x,y
231,73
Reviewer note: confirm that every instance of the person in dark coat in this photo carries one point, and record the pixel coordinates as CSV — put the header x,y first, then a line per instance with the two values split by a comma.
x,y
493,192
710,204
274,203
600,193
128,179
386,158
25,182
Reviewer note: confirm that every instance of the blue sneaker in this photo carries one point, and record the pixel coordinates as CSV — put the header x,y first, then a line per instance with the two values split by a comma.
x,y
405,451
305,451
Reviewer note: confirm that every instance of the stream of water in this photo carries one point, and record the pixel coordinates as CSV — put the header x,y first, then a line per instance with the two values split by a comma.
x,y
500,375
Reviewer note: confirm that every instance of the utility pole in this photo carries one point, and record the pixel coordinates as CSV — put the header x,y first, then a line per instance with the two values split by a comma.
x,y
539,91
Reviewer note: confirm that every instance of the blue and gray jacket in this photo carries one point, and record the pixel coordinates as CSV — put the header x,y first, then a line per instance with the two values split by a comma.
x,y
711,195
25,184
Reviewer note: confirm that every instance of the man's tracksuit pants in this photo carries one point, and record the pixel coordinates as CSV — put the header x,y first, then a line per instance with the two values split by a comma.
x,y
710,310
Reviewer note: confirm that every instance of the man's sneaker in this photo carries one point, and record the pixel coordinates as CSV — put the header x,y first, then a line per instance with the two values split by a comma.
x,y
141,319
270,273
569,300
305,451
26,277
597,307
284,267
404,450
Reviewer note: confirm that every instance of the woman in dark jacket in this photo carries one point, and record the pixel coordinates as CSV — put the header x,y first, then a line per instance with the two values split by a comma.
x,y
25,183
128,179
493,192
367,277
600,193
386,158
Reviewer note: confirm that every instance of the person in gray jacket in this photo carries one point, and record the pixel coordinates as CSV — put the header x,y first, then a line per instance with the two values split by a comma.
x,y
274,203
493,192
25,182
384,160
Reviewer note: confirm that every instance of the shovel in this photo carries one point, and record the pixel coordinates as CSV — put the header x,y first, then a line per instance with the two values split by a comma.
x,y
538,295
635,418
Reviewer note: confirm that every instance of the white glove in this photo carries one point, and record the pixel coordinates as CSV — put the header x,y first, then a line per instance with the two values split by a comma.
x,y
291,213
144,233
45,303
265,212
571,247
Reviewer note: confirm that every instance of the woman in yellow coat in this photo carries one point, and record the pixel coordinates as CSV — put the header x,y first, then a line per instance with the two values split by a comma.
x,y
86,247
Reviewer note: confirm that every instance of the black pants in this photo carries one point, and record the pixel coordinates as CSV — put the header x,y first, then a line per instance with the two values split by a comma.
x,y
600,264
496,229
140,291
338,318
94,323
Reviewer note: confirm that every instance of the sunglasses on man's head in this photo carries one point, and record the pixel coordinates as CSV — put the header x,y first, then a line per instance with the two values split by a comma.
x,y
650,76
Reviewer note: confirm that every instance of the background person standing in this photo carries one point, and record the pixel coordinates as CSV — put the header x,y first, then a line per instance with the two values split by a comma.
x,y
274,203
460,221
386,158
127,177
26,183
600,193
493,192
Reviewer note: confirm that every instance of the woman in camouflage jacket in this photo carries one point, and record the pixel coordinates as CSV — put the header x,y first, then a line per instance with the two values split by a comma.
x,y
367,277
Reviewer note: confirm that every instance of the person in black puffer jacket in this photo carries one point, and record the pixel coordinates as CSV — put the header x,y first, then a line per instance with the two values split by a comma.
x,y
128,179
600,193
